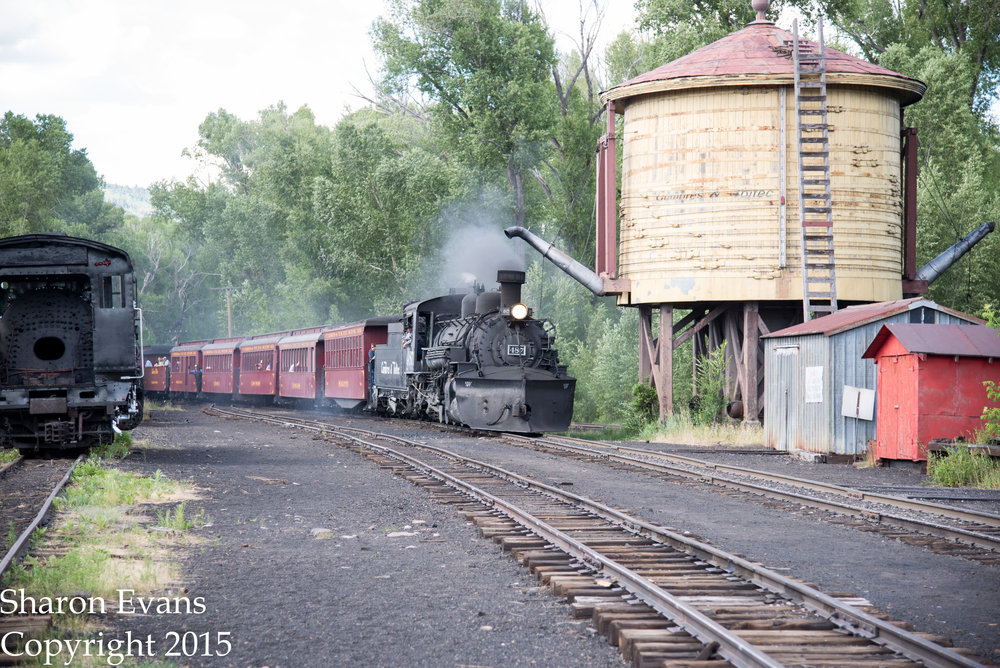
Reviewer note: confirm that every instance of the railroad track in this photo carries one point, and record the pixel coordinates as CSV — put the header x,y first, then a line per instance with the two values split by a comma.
x,y
942,528
661,597
27,489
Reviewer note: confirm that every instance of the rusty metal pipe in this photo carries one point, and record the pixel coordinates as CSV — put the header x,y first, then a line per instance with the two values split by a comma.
x,y
585,276
930,271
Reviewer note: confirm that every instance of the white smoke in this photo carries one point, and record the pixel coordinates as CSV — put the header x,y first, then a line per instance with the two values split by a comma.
x,y
475,251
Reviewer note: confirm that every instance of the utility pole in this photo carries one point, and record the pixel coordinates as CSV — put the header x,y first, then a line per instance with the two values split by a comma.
x,y
229,305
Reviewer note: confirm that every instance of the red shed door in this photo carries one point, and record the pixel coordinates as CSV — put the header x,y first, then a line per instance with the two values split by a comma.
x,y
897,417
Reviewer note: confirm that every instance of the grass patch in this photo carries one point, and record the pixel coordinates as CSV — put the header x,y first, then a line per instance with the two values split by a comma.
x,y
679,428
102,540
175,519
117,449
168,405
7,456
962,467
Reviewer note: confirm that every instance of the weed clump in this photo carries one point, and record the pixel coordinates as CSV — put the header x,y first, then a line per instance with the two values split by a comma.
x,y
964,467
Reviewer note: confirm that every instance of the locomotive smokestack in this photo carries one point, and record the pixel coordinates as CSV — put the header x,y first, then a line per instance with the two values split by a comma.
x,y
510,287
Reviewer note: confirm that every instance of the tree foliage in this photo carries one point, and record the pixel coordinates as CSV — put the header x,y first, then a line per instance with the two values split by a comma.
x,y
967,29
379,210
486,66
46,185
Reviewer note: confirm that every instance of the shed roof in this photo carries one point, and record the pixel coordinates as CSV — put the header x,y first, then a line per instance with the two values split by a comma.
x,y
856,316
760,51
961,340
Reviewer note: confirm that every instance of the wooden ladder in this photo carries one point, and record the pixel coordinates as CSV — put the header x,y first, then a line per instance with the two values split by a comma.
x,y
819,280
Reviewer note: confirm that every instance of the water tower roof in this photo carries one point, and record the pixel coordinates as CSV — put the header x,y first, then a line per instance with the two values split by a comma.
x,y
760,54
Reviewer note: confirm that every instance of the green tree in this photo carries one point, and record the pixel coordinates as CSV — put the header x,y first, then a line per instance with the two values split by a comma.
x,y
969,29
959,173
380,209
255,229
46,185
485,65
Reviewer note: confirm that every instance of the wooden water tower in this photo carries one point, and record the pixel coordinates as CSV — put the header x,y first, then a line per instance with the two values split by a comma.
x,y
764,179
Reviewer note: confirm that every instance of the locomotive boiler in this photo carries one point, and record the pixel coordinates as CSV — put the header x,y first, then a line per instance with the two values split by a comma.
x,y
70,369
478,359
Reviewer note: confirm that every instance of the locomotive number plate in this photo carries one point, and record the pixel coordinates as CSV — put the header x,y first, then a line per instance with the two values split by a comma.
x,y
517,350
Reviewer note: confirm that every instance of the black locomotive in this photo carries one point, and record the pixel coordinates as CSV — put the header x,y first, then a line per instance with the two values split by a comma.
x,y
70,354
477,359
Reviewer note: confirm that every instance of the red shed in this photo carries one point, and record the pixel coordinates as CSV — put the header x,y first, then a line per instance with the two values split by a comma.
x,y
930,384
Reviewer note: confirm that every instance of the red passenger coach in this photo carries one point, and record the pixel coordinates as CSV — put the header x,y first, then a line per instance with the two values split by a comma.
x,y
301,361
346,359
259,362
222,365
185,359
156,368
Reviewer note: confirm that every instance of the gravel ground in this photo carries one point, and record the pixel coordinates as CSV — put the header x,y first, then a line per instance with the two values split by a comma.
x,y
364,597
942,595
291,594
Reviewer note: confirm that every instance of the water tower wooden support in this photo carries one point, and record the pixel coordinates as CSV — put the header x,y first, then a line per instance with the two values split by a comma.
x,y
706,327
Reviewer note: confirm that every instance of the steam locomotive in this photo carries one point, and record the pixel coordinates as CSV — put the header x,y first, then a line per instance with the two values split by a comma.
x,y
474,358
70,350
477,359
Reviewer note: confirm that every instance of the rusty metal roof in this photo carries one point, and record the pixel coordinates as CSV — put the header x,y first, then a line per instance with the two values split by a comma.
x,y
761,49
856,316
960,340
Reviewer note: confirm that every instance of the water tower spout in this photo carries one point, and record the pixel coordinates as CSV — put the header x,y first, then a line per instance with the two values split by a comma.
x,y
585,276
930,271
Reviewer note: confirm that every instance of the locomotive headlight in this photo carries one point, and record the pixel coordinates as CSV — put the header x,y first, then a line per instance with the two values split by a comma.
x,y
519,311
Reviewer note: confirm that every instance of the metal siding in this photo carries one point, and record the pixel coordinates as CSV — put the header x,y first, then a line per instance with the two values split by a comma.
x,y
849,435
790,423
782,395
813,418
778,380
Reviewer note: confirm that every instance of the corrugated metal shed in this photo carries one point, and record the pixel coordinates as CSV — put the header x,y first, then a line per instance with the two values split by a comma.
x,y
819,393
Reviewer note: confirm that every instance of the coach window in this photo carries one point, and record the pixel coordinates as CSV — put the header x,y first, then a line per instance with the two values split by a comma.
x,y
112,296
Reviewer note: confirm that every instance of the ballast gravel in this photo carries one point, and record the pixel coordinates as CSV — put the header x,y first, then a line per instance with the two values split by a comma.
x,y
941,595
313,556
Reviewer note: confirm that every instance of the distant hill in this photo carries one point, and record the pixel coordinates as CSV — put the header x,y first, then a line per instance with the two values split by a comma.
x,y
133,199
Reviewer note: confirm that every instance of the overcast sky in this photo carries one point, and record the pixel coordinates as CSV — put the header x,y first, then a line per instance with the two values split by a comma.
x,y
133,79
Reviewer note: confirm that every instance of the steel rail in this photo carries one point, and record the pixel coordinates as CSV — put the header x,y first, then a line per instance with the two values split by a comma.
x,y
888,499
957,534
9,465
847,617
25,536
